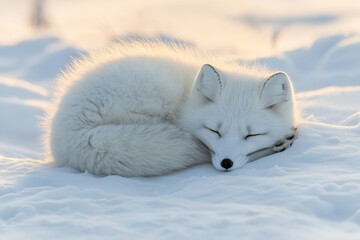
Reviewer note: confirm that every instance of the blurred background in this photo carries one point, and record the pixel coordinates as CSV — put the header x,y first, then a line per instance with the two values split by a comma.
x,y
249,29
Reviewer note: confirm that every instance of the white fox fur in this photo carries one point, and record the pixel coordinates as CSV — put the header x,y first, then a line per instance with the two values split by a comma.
x,y
146,109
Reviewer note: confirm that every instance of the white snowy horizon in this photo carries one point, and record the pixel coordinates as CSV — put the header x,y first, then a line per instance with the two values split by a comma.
x,y
311,190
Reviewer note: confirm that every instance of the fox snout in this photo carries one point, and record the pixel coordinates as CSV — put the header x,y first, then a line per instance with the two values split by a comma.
x,y
226,163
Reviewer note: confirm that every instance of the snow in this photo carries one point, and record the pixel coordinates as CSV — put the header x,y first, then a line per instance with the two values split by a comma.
x,y
310,191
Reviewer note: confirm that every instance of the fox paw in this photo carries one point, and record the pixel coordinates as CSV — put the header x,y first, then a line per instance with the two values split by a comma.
x,y
286,142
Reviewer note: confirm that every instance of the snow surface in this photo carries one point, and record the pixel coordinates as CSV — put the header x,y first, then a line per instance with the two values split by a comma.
x,y
310,191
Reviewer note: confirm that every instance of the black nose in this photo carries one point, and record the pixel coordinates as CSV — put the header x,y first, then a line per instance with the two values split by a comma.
x,y
226,163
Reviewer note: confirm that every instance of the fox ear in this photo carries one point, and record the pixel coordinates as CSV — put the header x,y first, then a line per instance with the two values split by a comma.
x,y
209,82
275,89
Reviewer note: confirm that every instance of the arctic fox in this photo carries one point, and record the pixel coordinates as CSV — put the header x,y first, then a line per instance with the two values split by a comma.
x,y
146,109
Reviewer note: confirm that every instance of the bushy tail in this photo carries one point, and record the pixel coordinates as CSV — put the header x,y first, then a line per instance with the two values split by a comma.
x,y
135,150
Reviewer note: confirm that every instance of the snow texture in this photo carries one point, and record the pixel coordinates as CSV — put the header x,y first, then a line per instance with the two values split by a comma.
x,y
310,191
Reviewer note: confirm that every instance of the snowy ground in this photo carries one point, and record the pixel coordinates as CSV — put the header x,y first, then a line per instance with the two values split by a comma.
x,y
311,191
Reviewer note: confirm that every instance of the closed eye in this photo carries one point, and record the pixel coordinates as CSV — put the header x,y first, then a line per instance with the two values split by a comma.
x,y
214,131
254,135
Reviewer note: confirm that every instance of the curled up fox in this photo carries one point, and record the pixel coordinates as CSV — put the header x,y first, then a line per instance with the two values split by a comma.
x,y
147,109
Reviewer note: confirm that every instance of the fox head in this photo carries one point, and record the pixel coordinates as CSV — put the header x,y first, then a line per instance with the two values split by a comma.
x,y
234,114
